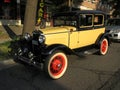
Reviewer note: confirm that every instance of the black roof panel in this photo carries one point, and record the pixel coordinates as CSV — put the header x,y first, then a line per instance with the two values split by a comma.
x,y
79,12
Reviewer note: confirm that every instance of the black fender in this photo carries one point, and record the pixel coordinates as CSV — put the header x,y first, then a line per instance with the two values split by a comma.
x,y
50,49
101,37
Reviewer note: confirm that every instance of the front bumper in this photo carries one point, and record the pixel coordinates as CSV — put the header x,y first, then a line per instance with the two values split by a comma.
x,y
29,52
28,61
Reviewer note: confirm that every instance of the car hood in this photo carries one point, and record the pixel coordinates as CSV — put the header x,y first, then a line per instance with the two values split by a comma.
x,y
59,29
112,27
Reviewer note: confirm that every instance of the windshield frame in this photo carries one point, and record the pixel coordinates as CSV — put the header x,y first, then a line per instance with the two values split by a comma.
x,y
66,20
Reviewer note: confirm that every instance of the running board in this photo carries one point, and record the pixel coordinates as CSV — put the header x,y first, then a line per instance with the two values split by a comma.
x,y
86,52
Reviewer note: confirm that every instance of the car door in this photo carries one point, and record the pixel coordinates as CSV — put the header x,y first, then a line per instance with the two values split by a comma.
x,y
73,39
85,35
91,27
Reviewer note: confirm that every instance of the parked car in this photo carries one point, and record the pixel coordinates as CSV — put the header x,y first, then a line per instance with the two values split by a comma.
x,y
72,32
113,28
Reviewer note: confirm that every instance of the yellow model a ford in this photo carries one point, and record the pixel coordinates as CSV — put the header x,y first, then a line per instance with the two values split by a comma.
x,y
71,32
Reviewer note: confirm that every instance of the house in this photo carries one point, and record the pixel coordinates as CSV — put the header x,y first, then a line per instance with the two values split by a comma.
x,y
10,12
95,5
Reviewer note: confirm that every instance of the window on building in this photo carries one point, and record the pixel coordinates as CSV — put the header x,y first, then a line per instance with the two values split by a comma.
x,y
8,9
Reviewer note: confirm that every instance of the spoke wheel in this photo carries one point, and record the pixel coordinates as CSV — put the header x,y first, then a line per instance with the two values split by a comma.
x,y
56,65
104,46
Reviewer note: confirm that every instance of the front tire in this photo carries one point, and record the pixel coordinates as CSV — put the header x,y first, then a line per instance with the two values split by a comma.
x,y
103,46
56,65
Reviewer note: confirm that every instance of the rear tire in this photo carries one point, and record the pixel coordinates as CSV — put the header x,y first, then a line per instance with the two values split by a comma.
x,y
56,65
103,46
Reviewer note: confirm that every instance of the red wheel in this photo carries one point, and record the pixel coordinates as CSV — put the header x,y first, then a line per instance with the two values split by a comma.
x,y
56,65
104,46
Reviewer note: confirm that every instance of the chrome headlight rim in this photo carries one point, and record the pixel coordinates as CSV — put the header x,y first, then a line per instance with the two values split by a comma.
x,y
26,36
41,38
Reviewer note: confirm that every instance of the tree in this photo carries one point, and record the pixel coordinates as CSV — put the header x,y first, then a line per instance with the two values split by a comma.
x,y
30,16
115,8
63,5
56,5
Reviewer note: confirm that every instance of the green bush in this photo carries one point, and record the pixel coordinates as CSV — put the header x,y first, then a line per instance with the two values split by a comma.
x,y
4,49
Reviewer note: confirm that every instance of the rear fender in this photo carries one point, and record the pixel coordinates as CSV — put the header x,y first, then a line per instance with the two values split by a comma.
x,y
101,37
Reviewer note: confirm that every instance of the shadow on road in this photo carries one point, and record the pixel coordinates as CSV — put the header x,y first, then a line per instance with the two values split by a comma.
x,y
18,77
10,32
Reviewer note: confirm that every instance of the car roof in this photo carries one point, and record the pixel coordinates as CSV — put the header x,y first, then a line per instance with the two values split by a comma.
x,y
80,12
114,18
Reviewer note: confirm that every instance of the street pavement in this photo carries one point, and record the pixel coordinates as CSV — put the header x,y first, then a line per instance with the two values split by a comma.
x,y
88,72
81,74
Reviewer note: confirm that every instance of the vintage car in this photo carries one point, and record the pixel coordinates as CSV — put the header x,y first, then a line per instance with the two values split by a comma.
x,y
72,32
113,28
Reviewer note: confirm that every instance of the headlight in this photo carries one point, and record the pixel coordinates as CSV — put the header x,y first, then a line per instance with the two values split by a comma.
x,y
27,36
41,38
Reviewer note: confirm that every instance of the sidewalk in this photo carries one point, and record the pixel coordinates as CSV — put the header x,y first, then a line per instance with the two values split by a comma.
x,y
6,64
9,32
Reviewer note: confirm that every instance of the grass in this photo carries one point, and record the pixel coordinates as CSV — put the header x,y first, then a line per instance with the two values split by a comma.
x,y
4,48
1,33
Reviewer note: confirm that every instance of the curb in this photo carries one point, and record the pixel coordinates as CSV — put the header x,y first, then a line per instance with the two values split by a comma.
x,y
9,61
6,64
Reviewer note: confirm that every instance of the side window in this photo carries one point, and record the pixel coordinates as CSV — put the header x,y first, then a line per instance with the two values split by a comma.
x,y
98,20
86,20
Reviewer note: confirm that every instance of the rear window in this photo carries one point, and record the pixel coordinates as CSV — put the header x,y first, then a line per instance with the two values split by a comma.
x,y
98,20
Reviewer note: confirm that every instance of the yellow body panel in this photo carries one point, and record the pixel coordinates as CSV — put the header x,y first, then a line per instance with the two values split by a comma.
x,y
73,41
57,35
89,37
56,30
84,38
71,37
60,38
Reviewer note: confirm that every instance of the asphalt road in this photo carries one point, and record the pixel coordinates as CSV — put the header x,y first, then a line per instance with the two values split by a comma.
x,y
88,72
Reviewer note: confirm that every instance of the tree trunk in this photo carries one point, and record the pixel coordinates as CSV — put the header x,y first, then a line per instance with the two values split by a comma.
x,y
30,16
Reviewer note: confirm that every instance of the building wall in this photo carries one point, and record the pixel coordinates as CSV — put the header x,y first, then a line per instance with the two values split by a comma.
x,y
10,12
95,5
90,4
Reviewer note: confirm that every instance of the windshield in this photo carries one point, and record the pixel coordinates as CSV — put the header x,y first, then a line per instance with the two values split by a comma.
x,y
65,21
113,22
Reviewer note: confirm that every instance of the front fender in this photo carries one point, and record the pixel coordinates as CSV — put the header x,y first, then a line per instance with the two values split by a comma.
x,y
50,49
